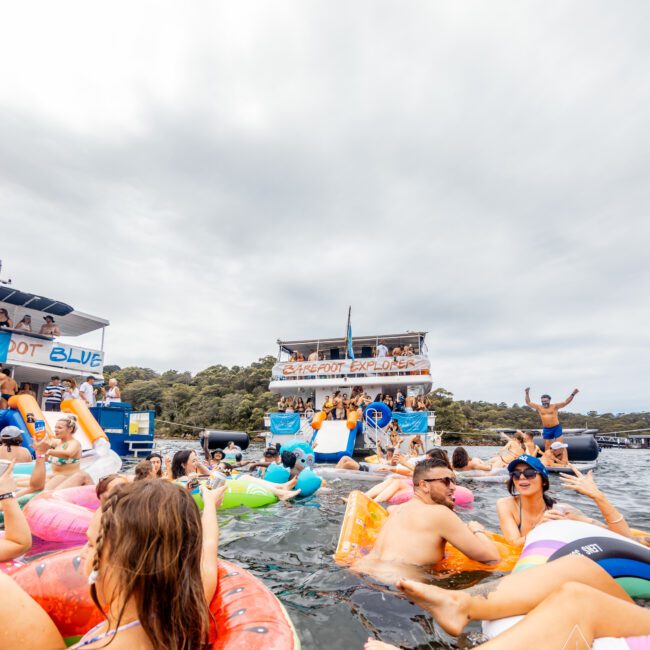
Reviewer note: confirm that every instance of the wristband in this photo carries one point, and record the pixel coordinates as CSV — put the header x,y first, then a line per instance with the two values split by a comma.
x,y
476,532
615,520
40,456
7,495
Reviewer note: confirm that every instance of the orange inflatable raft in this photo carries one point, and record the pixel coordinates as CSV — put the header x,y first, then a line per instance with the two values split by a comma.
x,y
364,518
248,616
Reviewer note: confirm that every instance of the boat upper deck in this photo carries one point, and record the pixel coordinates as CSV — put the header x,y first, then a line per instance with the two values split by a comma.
x,y
389,360
36,353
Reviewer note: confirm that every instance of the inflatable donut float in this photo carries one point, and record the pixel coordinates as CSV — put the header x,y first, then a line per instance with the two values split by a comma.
x,y
462,496
63,515
626,560
248,616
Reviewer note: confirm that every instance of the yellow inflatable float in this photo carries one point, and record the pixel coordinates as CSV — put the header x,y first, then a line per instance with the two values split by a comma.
x,y
364,518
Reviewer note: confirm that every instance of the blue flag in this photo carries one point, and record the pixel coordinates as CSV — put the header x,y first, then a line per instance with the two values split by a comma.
x,y
349,337
5,338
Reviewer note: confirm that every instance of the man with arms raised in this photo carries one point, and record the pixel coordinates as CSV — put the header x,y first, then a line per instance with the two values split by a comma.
x,y
414,535
552,430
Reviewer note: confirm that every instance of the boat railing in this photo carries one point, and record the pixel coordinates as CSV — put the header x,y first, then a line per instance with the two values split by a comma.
x,y
351,368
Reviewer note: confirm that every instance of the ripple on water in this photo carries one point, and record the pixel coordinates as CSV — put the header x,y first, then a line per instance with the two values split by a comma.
x,y
290,547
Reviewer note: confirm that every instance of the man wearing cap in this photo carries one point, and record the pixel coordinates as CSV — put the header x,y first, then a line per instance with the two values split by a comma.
x,y
49,328
556,455
550,421
25,324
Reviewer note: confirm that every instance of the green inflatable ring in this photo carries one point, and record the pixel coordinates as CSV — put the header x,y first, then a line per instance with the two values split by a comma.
x,y
241,492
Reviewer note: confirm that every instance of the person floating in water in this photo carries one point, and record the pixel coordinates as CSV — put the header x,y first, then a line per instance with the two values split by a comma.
x,y
548,413
415,534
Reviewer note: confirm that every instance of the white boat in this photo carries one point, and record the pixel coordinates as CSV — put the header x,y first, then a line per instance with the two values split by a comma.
x,y
331,365
32,359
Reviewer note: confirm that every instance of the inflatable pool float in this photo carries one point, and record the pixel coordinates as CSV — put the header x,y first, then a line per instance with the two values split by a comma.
x,y
375,409
247,615
499,475
63,515
583,467
331,472
627,561
22,502
363,520
240,492
462,495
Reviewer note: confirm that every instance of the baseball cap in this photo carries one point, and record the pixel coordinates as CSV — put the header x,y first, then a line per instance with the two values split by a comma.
x,y
559,445
533,462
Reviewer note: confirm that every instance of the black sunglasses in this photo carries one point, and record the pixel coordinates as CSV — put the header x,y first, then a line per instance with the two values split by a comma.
x,y
527,473
448,480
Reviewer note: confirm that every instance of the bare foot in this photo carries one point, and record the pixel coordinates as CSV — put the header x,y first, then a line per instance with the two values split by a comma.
x,y
289,484
373,644
289,494
449,608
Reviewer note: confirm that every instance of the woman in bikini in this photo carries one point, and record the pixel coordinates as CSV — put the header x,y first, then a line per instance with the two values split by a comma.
x,y
64,457
529,443
529,505
513,448
139,565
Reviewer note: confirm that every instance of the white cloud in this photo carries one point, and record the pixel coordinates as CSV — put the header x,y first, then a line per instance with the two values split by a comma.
x,y
214,176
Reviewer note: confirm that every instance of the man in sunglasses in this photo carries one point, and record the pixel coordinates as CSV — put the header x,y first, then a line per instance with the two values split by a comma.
x,y
414,535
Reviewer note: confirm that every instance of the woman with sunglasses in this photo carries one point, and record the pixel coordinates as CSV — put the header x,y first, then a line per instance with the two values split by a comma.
x,y
529,505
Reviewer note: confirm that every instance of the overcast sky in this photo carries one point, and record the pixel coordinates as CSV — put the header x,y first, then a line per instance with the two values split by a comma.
x,y
212,176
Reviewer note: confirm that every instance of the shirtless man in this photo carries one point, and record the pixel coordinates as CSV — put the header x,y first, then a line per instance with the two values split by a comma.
x,y
414,535
550,421
389,460
8,385
555,455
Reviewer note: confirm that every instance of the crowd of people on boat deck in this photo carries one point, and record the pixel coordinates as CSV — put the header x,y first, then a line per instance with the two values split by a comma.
x,y
48,328
381,350
58,390
338,405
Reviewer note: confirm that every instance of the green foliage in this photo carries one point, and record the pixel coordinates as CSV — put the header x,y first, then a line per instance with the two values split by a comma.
x,y
218,397
237,398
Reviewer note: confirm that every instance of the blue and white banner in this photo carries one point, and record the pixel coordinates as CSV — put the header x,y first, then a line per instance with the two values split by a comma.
x,y
283,424
415,422
5,339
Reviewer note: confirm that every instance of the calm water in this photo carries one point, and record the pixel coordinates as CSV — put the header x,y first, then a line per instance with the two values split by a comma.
x,y
290,546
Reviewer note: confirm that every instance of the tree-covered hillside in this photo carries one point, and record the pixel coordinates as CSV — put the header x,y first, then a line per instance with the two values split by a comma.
x,y
236,398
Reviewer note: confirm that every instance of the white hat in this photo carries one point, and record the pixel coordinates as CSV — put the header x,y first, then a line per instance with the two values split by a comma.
x,y
559,445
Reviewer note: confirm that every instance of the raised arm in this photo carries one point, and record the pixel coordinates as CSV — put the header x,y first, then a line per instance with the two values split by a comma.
x,y
18,537
532,405
212,499
568,400
471,539
585,484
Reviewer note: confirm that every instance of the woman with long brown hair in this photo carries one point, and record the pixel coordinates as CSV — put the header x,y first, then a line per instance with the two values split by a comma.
x,y
152,568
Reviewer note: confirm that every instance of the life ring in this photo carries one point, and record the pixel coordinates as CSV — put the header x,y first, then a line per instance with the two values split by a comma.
x,y
627,561
246,613
371,411
364,518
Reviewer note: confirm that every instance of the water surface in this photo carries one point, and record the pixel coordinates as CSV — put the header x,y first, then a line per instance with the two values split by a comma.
x,y
290,546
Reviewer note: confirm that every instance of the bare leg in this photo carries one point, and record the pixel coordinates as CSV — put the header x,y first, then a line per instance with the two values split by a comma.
x,y
380,487
393,488
77,479
516,594
347,463
373,644
575,615
55,481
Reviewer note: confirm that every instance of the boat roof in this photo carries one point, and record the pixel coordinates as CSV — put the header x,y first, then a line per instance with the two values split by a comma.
x,y
70,321
392,340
